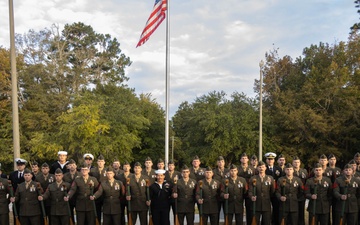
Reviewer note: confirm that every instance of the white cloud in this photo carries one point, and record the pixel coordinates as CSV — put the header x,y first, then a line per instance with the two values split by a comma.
x,y
214,45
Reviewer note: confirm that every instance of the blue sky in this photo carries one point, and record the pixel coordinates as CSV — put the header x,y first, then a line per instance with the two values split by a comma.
x,y
215,45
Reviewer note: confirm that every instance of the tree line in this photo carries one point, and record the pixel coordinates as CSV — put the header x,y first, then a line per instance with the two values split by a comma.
x,y
72,96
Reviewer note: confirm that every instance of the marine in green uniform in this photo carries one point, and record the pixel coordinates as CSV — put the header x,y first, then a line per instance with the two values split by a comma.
x,y
81,188
318,189
112,190
237,188
210,197
303,175
185,195
137,195
346,192
26,197
264,186
55,193
288,190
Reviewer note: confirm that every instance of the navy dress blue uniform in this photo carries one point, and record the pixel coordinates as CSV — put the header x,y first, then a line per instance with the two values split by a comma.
x,y
160,195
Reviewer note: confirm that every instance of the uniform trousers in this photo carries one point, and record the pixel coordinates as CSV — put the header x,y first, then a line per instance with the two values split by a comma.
x,y
72,208
265,217
123,206
349,218
214,218
323,219
302,212
248,208
99,204
290,218
189,218
161,217
60,220
30,220
4,219
142,217
275,207
85,217
112,219
238,218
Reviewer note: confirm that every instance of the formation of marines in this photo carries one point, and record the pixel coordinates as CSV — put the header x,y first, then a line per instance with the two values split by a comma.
x,y
267,193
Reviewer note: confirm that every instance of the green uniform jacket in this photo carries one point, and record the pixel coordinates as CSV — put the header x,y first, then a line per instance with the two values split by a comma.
x,y
28,199
237,190
186,195
294,190
82,191
324,195
210,195
56,196
352,192
138,193
112,196
4,201
264,190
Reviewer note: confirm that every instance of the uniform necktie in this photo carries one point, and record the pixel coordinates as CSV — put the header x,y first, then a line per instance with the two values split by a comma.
x,y
20,174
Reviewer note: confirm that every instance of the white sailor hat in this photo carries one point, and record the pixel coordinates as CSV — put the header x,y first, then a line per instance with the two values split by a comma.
x,y
88,155
160,171
20,161
62,153
270,155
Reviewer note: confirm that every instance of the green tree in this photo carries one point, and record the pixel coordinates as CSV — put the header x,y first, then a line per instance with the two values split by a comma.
x,y
6,135
60,67
214,125
153,135
313,100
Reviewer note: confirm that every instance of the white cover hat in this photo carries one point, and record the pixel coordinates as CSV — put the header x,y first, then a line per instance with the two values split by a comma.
x,y
88,155
160,171
62,153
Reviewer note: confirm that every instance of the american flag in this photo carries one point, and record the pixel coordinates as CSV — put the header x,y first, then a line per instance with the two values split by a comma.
x,y
155,19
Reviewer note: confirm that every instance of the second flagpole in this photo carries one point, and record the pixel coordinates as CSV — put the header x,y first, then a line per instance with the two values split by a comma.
x,y
167,83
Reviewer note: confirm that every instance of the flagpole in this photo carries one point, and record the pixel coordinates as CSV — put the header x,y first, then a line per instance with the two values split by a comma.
x,y
167,84
261,64
14,94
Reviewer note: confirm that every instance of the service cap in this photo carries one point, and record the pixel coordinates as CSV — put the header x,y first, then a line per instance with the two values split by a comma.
x,y
88,156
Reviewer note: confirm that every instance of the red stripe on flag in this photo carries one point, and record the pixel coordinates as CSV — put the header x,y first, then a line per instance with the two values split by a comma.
x,y
154,20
